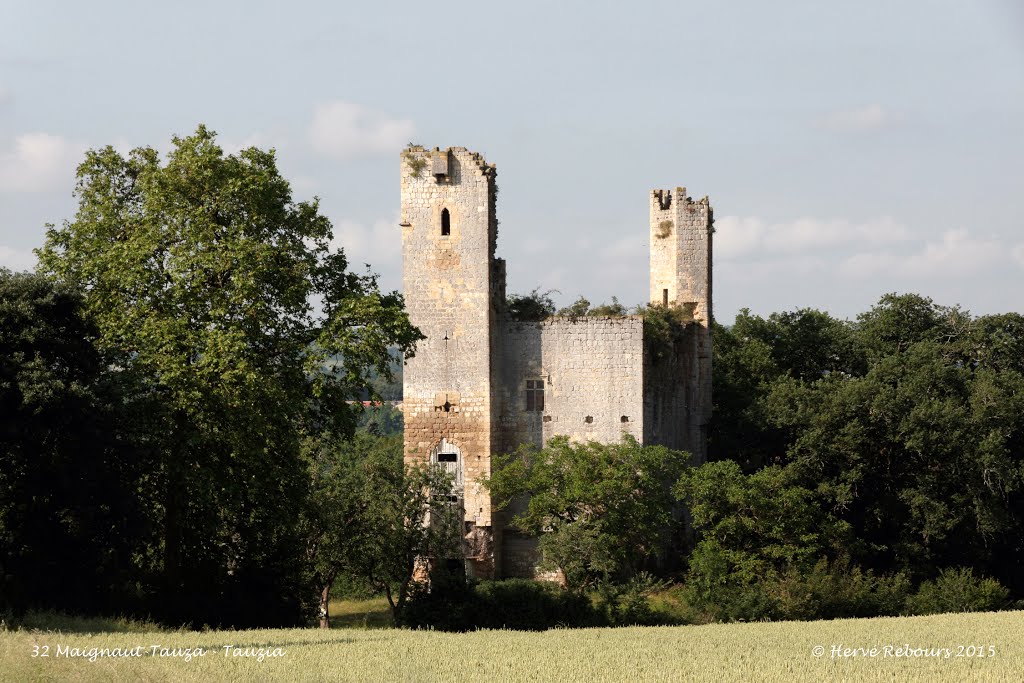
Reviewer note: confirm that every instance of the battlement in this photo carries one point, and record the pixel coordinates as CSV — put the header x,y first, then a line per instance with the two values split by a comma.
x,y
680,240
667,200
443,166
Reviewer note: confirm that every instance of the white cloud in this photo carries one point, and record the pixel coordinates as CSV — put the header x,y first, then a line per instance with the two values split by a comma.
x,y
379,245
736,236
345,130
16,259
862,118
957,253
39,162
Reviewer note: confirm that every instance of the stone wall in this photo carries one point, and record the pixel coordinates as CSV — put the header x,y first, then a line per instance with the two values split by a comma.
x,y
592,374
676,402
592,369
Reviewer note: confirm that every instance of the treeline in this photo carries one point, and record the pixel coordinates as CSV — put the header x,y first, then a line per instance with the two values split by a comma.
x,y
885,450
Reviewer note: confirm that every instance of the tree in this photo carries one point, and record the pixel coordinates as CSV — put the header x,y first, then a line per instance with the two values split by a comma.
x,y
601,510
374,519
336,518
208,281
415,528
70,518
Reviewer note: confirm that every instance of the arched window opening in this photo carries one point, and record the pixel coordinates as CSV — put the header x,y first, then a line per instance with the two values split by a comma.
x,y
446,223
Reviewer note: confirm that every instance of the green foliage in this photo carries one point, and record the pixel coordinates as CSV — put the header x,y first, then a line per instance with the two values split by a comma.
x,y
532,307
577,309
60,622
907,425
629,603
884,447
512,604
757,355
581,307
371,519
664,328
381,419
601,510
72,483
957,589
614,309
416,163
764,549
756,522
199,275
899,321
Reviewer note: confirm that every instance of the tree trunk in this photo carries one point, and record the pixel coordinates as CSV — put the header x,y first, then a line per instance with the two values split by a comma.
x,y
325,613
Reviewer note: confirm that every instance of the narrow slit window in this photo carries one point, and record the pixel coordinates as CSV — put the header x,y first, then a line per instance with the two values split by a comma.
x,y
664,297
446,223
535,396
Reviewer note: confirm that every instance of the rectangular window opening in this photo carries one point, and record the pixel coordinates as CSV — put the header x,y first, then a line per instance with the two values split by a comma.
x,y
534,395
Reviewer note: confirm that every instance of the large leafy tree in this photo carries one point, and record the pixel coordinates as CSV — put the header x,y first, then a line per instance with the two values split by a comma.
x,y
208,282
601,511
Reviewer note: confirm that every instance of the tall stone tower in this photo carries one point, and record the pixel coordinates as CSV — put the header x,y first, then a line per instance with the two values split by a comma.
x,y
680,242
681,251
451,280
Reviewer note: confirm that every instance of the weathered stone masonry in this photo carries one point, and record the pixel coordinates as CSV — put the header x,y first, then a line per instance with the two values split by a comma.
x,y
481,384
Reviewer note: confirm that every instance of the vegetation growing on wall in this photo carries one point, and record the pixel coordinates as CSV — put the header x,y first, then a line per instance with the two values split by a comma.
x,y
532,307
416,162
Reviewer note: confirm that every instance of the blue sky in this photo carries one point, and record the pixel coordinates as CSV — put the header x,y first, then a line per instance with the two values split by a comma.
x,y
849,149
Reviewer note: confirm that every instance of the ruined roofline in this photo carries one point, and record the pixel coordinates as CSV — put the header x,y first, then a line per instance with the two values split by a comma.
x,y
573,318
476,157
664,199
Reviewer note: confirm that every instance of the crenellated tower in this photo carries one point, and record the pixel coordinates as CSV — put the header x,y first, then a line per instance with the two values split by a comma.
x,y
680,239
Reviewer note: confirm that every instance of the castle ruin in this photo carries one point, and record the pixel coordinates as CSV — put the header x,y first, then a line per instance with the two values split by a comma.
x,y
481,383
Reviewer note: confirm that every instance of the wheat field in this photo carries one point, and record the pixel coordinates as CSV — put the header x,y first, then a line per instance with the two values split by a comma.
x,y
956,647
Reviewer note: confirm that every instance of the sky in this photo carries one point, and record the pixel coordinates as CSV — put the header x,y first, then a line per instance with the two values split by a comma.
x,y
848,149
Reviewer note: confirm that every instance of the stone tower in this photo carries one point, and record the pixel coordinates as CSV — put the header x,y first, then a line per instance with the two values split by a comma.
x,y
451,279
681,251
680,240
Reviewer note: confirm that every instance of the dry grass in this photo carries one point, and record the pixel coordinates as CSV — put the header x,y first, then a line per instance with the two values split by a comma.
x,y
716,652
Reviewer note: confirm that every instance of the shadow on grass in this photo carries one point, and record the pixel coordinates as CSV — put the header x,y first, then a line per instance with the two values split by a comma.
x,y
371,614
69,623
374,613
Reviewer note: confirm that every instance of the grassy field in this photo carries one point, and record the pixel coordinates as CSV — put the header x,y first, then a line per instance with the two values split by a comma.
x,y
717,652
